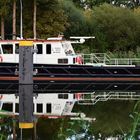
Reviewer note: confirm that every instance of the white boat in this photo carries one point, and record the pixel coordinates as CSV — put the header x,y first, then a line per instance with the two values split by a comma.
x,y
57,50
51,51
94,72
45,105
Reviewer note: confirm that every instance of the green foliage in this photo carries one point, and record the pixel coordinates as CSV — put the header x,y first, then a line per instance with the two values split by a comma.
x,y
2,137
116,29
77,22
72,127
4,7
5,124
135,116
121,3
90,3
110,116
126,3
51,19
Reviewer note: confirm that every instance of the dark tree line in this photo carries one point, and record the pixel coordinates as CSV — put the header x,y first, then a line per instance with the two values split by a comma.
x,y
115,24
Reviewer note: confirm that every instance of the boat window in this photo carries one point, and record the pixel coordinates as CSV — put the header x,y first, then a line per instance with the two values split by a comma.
x,y
17,48
63,96
48,49
7,48
73,96
39,49
67,48
17,108
7,107
39,108
49,108
62,61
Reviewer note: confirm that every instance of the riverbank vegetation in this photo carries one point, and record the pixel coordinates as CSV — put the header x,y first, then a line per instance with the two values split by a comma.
x,y
115,24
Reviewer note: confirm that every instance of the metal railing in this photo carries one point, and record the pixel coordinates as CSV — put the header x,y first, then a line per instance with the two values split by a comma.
x,y
101,59
93,98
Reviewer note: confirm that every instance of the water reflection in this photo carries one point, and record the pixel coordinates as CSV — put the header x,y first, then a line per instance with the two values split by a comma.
x,y
48,130
123,124
6,129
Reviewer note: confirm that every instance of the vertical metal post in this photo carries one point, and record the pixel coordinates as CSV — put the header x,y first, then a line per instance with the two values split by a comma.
x,y
26,84
21,134
14,128
35,131
21,22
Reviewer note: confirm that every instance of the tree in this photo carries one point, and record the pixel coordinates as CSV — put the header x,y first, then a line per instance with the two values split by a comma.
x,y
116,29
121,3
50,19
76,19
80,24
14,19
34,19
3,12
90,3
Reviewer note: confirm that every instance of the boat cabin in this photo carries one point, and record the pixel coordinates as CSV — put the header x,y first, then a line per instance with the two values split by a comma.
x,y
50,105
50,51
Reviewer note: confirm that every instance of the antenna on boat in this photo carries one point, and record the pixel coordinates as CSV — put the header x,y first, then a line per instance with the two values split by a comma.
x,y
81,39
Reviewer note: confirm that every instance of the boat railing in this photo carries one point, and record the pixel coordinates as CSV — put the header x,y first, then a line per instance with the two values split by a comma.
x,y
93,98
125,61
102,59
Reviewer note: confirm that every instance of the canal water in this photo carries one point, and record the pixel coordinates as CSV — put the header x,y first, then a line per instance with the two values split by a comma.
x,y
113,118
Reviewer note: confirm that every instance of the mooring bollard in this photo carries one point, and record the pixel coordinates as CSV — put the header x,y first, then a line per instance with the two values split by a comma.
x,y
26,84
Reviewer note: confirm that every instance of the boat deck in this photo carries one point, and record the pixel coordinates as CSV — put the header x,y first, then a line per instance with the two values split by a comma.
x,y
73,78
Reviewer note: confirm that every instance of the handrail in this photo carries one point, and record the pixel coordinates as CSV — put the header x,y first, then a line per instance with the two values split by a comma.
x,y
93,98
104,59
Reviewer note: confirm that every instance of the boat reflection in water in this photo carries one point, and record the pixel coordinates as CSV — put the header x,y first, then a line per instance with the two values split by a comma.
x,y
58,71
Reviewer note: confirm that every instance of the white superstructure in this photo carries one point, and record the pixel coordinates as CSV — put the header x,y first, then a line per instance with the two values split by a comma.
x,y
57,50
48,105
51,51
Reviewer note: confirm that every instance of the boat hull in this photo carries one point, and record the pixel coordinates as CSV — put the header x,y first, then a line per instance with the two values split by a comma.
x,y
72,78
